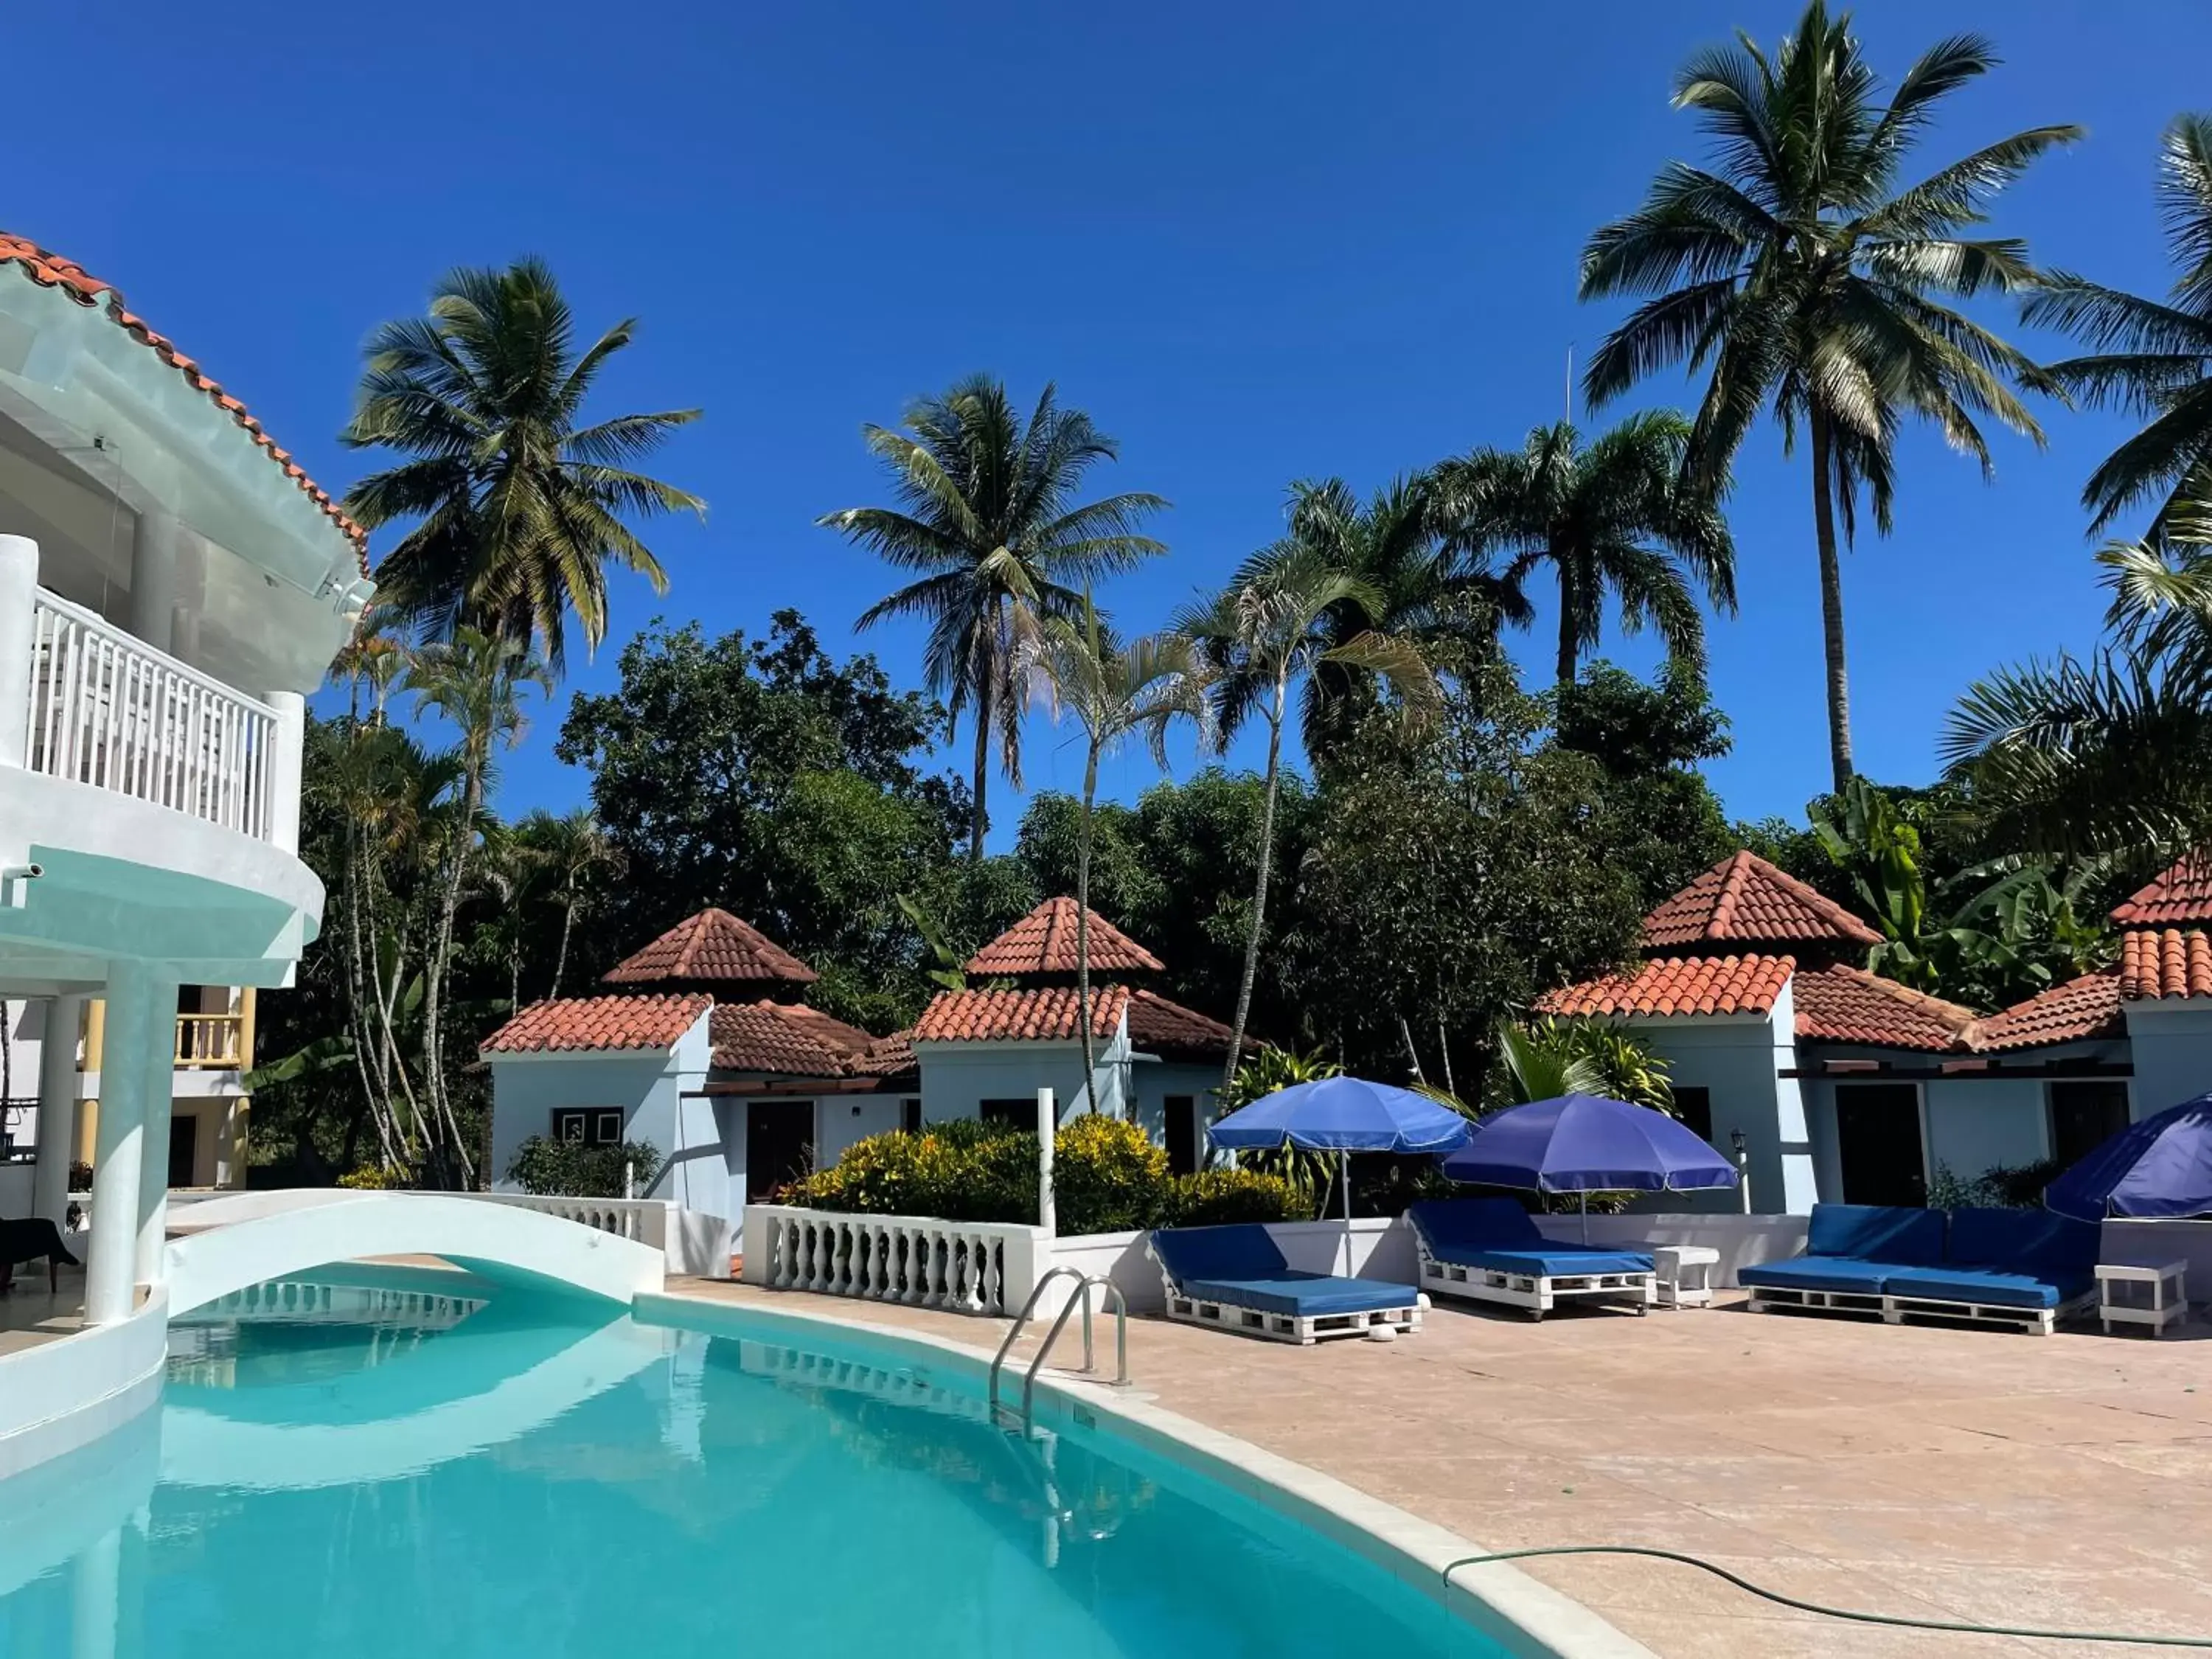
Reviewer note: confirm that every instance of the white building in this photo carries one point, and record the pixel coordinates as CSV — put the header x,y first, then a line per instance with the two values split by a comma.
x,y
171,585
707,1056
1848,1086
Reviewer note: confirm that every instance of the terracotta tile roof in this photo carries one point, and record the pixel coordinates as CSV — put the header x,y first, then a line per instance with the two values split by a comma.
x,y
1043,942
887,1058
2086,1007
768,1037
1158,1026
2183,893
1047,1012
1695,985
2168,964
1743,899
51,271
601,1023
712,945
1850,1004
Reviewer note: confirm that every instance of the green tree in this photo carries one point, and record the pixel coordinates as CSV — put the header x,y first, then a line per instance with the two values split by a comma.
x,y
1274,625
580,859
2151,358
516,510
1620,517
1814,285
987,521
1115,692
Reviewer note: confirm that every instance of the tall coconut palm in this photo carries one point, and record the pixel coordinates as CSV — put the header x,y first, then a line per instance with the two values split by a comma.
x,y
1447,604
1274,624
1814,285
516,509
2153,359
575,852
475,681
1115,692
987,518
1618,517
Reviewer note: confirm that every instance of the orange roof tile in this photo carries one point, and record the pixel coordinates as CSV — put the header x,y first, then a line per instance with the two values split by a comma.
x,y
1850,1004
712,945
1043,942
1744,899
51,271
2182,893
2088,1007
1695,985
1047,1012
2170,963
1159,1026
772,1036
570,1023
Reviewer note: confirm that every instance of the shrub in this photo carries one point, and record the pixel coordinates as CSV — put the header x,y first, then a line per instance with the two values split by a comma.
x,y
373,1178
567,1168
1999,1188
80,1178
1107,1177
1214,1198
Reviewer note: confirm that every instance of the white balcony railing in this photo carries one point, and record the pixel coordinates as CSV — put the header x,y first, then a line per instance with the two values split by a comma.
x,y
109,710
963,1266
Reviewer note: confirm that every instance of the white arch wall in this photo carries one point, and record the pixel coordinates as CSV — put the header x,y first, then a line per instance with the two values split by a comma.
x,y
495,1239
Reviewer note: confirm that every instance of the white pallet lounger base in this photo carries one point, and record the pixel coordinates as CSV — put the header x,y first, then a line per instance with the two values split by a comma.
x,y
2037,1321
1787,1298
1287,1327
1536,1294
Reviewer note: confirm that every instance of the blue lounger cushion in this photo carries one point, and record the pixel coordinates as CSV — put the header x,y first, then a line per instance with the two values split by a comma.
x,y
1876,1232
1846,1275
2009,1258
1242,1266
1497,1233
1989,1286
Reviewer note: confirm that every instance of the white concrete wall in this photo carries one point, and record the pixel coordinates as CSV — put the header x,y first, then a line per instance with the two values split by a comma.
x,y
60,1395
1740,1060
2155,1244
2171,1048
956,1076
841,1119
1971,1127
1151,1083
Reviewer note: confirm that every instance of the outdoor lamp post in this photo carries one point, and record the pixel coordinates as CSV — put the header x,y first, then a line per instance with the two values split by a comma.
x,y
1742,1167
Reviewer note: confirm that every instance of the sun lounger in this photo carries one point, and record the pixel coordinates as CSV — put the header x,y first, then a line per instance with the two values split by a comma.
x,y
1489,1248
2020,1269
1236,1277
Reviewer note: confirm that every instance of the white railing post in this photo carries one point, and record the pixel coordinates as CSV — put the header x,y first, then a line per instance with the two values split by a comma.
x,y
19,594
282,769
1048,1131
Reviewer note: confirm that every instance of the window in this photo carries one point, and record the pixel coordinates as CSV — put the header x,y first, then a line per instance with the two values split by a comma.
x,y
1021,1114
586,1125
1695,1107
1879,1144
1180,1131
910,1116
2084,1115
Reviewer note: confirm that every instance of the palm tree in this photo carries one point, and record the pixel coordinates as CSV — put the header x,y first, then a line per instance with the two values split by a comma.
x,y
988,521
1275,624
575,851
1115,692
516,509
1448,606
475,681
1620,517
1814,285
2153,358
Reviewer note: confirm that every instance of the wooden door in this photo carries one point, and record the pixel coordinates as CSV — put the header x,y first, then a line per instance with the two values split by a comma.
x,y
1878,1139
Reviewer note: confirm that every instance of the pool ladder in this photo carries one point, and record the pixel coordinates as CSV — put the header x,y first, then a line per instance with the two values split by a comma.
x,y
1084,1284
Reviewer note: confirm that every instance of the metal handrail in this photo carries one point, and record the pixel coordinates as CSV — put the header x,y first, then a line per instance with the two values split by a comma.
x,y
1085,1282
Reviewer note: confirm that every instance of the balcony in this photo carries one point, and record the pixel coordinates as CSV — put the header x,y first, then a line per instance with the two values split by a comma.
x,y
210,1042
109,710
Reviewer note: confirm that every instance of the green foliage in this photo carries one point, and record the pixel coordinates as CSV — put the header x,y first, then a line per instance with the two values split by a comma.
x,y
1269,1069
1218,1197
2003,1187
568,1169
1107,1176
375,1178
1550,1057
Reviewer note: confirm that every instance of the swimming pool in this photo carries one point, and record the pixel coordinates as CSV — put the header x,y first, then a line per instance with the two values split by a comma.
x,y
347,1472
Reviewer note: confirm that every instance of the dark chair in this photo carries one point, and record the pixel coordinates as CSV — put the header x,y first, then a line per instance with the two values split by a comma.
x,y
27,1241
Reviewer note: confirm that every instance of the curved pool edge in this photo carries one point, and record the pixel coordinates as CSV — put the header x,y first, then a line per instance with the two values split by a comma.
x,y
1498,1600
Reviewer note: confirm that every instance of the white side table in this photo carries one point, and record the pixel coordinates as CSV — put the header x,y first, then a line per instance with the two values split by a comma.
x,y
2129,1294
1684,1274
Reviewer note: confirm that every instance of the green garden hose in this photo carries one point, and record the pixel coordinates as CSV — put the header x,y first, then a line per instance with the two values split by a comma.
x,y
1959,1627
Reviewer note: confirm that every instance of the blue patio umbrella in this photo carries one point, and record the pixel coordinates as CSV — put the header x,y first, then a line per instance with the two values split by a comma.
x,y
1343,1114
2161,1166
1585,1144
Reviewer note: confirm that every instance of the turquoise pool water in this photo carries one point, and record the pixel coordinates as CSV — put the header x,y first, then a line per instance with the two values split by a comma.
x,y
389,1477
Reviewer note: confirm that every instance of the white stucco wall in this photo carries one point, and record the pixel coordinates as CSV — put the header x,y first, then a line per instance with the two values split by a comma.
x,y
2172,1045
1153,1081
1973,1126
1739,1060
956,1077
841,1119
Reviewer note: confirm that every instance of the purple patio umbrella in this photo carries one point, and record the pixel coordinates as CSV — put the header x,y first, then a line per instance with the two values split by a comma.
x,y
2161,1166
1588,1143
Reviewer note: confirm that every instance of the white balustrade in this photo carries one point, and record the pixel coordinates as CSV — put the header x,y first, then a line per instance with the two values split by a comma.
x,y
643,1220
963,1266
109,710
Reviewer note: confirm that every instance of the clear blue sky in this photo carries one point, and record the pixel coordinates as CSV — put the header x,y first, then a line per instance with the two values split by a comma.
x,y
1257,242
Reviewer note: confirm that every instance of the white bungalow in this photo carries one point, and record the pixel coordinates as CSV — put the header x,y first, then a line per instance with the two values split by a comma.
x,y
1845,1085
171,585
705,1056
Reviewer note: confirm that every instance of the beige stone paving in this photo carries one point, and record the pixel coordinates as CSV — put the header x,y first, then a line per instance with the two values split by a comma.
x,y
1930,1472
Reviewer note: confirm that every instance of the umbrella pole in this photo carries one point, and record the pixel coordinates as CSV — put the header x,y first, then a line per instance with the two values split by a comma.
x,y
1344,1176
1585,1196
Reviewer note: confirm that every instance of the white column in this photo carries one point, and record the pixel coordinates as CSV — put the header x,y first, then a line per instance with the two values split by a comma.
x,y
57,1107
284,769
1048,1128
19,588
134,1018
158,1063
153,553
